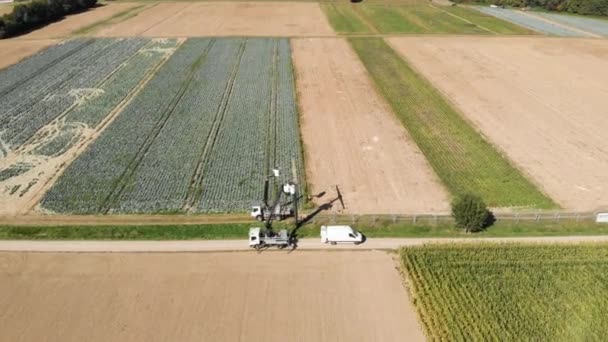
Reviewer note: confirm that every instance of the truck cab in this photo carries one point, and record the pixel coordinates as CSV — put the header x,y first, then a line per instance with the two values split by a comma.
x,y
256,212
340,234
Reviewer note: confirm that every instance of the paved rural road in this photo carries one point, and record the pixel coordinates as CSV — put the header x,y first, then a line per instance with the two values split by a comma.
x,y
240,245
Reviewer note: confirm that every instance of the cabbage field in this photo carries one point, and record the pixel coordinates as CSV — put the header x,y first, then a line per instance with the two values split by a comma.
x,y
200,136
56,100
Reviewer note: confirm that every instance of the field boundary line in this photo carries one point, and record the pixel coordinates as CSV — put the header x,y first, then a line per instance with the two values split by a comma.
x,y
78,149
498,149
465,20
195,188
121,182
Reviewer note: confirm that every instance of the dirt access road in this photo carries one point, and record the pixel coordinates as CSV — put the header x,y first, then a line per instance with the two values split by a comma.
x,y
241,245
352,139
194,19
540,100
308,296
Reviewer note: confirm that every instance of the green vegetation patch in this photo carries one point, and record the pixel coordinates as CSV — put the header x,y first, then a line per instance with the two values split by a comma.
x,y
116,18
415,19
510,292
377,229
345,19
463,160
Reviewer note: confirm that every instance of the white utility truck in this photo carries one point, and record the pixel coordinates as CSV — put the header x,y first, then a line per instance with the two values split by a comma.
x,y
340,234
259,238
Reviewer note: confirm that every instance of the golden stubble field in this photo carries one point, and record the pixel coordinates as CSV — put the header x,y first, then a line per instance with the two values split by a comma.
x,y
193,19
273,296
542,101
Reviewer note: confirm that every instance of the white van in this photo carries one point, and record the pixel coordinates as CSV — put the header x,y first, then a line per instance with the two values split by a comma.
x,y
340,234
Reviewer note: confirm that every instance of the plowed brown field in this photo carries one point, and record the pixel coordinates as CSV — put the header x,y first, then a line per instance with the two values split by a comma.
x,y
12,50
225,19
71,23
352,138
542,101
273,296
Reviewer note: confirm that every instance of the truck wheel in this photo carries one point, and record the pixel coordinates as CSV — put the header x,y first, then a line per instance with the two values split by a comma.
x,y
259,218
334,243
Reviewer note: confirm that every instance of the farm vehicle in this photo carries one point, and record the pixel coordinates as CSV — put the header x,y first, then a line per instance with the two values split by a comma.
x,y
266,237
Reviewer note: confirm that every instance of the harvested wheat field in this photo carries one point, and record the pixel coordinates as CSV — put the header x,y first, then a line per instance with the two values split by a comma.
x,y
541,101
225,19
12,51
352,139
74,22
273,296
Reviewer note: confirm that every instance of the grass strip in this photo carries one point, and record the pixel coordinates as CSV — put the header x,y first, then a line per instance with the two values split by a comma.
x,y
240,231
414,19
460,156
513,292
344,19
114,19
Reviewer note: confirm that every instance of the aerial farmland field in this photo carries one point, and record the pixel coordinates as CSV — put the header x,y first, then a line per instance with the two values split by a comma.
x,y
414,19
196,19
307,296
55,102
510,292
463,159
200,136
352,138
542,103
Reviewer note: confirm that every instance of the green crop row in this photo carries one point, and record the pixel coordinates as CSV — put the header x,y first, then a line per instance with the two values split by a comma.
x,y
460,156
415,19
510,292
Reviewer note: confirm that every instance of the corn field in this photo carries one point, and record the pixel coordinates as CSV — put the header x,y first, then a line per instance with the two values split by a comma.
x,y
510,292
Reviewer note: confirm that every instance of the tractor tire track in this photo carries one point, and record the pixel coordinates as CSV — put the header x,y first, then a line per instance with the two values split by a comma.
x,y
122,181
195,190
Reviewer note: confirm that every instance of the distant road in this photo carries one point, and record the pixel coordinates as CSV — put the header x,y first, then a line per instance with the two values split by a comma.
x,y
241,245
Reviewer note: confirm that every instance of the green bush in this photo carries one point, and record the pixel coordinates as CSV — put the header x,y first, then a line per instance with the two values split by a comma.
x,y
37,13
470,212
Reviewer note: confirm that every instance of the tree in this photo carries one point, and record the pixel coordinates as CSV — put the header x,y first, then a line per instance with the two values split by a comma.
x,y
470,212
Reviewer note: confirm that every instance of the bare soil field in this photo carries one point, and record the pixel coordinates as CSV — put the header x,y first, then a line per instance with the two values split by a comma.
x,y
74,22
351,138
225,19
12,51
273,296
541,101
